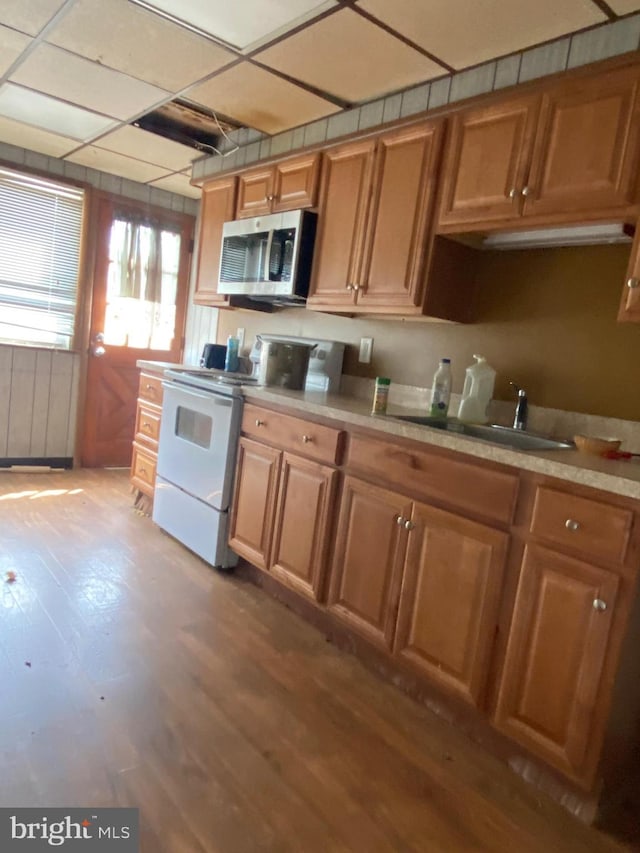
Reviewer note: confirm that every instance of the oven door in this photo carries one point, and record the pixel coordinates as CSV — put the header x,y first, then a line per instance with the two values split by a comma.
x,y
198,439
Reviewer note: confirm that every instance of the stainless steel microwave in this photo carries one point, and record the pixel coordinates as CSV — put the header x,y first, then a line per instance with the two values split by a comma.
x,y
268,257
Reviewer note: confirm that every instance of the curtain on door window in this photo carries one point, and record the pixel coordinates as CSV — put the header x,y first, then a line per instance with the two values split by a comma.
x,y
142,285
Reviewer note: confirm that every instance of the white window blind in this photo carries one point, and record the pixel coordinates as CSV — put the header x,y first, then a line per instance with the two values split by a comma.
x,y
40,232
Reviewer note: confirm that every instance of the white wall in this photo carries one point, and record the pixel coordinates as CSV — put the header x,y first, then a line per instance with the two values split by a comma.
x,y
39,390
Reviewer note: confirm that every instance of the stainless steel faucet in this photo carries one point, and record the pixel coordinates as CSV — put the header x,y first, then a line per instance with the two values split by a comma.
x,y
520,417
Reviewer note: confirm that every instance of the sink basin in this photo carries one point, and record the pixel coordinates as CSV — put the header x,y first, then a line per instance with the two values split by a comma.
x,y
506,436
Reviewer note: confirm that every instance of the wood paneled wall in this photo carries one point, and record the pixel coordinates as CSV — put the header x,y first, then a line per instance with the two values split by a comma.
x,y
39,393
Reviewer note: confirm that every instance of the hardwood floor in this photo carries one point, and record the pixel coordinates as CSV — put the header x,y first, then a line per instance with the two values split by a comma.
x,y
133,674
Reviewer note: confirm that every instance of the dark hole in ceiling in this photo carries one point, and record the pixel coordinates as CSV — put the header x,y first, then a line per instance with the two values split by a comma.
x,y
188,124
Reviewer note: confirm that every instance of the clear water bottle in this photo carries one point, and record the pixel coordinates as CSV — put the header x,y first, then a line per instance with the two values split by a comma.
x,y
441,390
231,362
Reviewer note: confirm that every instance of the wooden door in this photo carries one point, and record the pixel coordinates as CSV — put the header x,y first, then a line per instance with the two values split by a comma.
x,y
254,501
255,193
449,602
368,558
404,186
296,183
630,302
138,310
343,209
551,697
487,160
301,532
217,207
585,156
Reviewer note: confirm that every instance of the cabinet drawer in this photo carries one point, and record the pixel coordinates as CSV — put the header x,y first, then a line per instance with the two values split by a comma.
x,y
592,527
461,484
148,424
150,388
295,434
143,468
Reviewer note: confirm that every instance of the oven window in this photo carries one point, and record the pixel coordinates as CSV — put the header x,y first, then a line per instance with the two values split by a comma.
x,y
194,427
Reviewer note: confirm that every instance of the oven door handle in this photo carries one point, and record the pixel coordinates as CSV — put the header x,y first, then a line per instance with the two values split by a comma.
x,y
209,397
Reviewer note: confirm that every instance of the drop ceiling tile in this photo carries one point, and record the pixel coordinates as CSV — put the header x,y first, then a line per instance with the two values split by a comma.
x,y
12,44
143,145
335,55
88,84
168,56
242,24
28,16
177,184
34,139
116,164
259,99
47,113
467,32
623,7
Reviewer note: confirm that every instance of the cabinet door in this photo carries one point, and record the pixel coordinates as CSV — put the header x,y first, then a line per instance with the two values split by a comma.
x,y
301,531
296,183
551,698
449,602
630,302
218,206
342,214
254,501
368,558
255,193
404,184
488,155
585,154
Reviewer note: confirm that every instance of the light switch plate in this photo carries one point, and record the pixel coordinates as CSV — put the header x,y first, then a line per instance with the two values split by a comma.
x,y
366,348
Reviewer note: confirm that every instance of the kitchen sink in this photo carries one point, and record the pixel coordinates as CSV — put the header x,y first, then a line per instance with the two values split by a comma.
x,y
505,436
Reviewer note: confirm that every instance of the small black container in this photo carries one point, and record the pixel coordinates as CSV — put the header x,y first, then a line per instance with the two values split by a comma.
x,y
213,355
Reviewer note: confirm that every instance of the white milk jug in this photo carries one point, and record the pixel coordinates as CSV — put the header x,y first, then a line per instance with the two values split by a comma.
x,y
477,392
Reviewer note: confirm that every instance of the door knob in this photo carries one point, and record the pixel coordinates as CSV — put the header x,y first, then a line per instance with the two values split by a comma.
x,y
99,351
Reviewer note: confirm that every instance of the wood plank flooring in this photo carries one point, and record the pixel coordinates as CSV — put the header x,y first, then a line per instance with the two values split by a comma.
x,y
133,674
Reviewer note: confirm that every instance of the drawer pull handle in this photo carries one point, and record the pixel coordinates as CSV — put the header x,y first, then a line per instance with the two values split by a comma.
x,y
409,525
572,524
400,520
307,438
599,604
259,422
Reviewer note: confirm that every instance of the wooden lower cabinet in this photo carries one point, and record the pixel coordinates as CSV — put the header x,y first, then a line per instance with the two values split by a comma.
x,y
281,514
451,592
144,459
254,501
551,698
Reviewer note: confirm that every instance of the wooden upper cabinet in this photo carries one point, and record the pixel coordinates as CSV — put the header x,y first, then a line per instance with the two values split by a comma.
x,y
552,697
288,185
487,160
451,593
585,154
630,302
342,216
217,207
399,217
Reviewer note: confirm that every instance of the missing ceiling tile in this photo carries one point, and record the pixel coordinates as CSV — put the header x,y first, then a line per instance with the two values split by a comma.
x,y
188,124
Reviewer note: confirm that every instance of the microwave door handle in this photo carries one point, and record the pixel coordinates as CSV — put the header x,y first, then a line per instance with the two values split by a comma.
x,y
265,271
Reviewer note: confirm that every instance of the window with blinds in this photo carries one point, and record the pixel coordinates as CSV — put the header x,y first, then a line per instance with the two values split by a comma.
x,y
40,233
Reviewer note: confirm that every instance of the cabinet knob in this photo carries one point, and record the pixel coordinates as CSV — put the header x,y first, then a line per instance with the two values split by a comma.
x,y
526,191
270,197
355,287
599,604
144,471
148,387
572,524
146,425
400,520
259,422
632,283
349,286
307,438
512,192
409,525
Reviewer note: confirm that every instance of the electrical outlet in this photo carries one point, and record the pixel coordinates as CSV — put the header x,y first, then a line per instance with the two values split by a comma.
x,y
366,347
240,337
